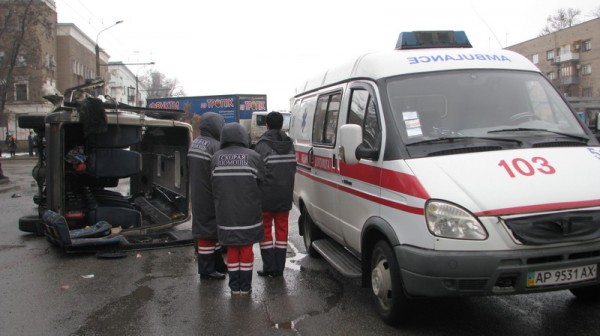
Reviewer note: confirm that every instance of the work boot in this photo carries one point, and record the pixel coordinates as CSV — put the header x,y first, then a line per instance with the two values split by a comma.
x,y
234,281
268,258
280,255
213,276
246,281
206,263
219,262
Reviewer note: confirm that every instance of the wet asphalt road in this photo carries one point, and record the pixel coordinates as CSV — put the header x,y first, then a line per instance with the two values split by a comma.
x,y
44,291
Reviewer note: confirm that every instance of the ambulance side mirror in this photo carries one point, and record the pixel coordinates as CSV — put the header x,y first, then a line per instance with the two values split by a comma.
x,y
350,138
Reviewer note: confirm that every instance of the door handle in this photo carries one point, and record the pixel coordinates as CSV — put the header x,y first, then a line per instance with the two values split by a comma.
x,y
311,158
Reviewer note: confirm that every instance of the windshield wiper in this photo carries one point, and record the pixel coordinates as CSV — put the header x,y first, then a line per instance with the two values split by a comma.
x,y
452,139
521,129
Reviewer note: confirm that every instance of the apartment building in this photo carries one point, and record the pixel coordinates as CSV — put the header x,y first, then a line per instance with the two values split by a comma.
x,y
76,57
570,58
124,85
35,70
53,57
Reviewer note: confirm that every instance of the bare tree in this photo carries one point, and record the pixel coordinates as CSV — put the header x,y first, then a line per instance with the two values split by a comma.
x,y
159,85
561,19
20,44
596,12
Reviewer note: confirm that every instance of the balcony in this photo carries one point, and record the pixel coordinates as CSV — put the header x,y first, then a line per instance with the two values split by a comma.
x,y
566,57
567,80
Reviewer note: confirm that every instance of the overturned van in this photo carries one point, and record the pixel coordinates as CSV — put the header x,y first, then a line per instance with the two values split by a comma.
x,y
439,170
104,162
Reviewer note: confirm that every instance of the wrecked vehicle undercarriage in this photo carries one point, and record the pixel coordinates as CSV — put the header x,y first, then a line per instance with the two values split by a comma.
x,y
102,161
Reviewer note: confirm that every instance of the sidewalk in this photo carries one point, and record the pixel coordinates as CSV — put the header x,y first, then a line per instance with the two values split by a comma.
x,y
17,171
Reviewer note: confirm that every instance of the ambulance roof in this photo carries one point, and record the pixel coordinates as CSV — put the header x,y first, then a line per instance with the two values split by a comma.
x,y
401,62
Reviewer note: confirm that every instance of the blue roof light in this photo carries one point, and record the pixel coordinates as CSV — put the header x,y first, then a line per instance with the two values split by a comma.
x,y
433,39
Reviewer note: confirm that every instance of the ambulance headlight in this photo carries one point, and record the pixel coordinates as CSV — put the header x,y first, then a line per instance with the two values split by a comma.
x,y
450,221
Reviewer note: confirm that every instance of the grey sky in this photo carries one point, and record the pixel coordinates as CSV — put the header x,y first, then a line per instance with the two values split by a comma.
x,y
270,46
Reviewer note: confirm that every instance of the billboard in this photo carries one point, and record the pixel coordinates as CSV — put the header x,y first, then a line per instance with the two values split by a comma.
x,y
231,107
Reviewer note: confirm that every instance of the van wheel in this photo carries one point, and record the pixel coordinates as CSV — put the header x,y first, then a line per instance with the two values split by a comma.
x,y
587,294
311,233
392,304
31,224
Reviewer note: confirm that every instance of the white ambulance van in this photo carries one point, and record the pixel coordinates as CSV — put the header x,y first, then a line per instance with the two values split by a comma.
x,y
439,170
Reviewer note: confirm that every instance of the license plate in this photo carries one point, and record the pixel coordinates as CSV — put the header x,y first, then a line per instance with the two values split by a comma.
x,y
561,276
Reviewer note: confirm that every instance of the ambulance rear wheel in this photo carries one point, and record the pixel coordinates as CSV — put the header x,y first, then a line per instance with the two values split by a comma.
x,y
310,233
392,304
588,294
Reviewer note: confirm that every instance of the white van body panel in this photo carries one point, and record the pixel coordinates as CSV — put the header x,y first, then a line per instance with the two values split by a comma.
x,y
495,176
478,182
393,63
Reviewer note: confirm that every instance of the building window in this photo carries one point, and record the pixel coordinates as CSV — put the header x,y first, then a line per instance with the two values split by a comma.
x,y
550,54
586,92
586,69
21,92
587,45
21,61
535,59
551,75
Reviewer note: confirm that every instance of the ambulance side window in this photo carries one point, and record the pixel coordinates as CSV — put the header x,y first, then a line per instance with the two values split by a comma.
x,y
363,112
326,119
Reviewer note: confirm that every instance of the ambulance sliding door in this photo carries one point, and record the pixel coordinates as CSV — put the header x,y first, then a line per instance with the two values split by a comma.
x,y
324,161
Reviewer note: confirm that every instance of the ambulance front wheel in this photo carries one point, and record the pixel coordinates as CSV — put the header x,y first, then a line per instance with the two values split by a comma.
x,y
588,294
310,233
390,299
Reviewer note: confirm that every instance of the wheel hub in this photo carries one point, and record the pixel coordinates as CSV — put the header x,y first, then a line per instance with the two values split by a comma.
x,y
381,281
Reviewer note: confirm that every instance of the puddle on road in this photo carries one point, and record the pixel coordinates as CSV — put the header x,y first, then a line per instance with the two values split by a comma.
x,y
293,261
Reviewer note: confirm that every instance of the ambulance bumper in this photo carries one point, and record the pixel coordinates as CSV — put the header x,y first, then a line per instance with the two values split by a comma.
x,y
470,273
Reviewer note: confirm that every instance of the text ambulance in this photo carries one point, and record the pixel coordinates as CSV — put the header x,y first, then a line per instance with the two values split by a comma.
x,y
440,170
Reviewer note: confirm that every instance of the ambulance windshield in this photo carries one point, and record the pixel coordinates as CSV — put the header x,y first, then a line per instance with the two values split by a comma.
x,y
479,104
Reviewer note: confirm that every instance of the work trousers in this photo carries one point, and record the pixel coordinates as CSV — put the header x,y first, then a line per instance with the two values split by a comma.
x,y
209,257
240,260
273,251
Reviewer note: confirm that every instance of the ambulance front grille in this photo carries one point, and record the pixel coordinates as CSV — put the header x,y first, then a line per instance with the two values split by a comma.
x,y
472,284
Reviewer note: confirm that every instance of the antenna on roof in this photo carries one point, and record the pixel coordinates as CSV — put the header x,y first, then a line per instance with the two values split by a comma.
x,y
488,27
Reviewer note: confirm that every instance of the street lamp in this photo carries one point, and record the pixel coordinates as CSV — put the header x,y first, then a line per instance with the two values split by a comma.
x,y
137,81
98,47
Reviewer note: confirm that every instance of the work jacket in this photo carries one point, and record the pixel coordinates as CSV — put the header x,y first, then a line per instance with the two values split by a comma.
x,y
237,172
201,151
277,152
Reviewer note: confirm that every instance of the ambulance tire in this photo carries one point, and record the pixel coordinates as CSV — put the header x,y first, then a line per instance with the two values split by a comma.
x,y
587,294
310,233
392,303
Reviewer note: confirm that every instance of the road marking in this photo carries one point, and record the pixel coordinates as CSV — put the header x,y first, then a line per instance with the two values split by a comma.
x,y
294,261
